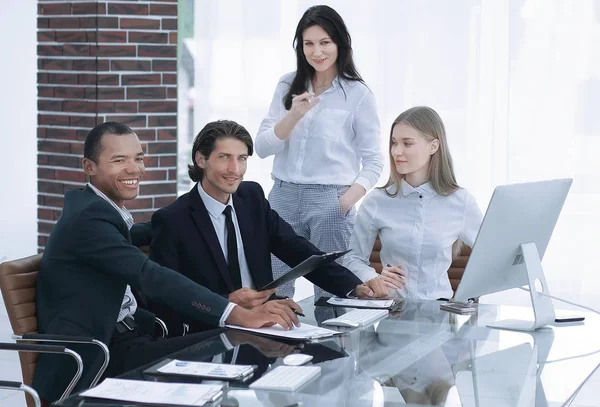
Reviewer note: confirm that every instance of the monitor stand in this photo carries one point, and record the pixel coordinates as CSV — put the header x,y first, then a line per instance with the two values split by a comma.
x,y
543,309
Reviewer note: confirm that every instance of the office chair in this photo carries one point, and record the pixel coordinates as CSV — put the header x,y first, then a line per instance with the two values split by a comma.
x,y
455,272
18,279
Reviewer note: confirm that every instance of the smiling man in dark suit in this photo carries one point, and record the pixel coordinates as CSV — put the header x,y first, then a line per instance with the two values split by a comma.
x,y
90,265
221,234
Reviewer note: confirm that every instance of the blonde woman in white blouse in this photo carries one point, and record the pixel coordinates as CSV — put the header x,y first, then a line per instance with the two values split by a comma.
x,y
418,214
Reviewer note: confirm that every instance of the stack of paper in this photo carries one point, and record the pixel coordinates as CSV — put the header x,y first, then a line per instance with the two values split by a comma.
x,y
303,332
348,302
208,370
170,394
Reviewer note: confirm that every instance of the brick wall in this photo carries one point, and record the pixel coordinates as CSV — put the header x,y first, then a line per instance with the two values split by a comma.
x,y
105,61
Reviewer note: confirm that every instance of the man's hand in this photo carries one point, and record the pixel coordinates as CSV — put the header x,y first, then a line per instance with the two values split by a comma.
x,y
374,288
270,313
394,277
249,298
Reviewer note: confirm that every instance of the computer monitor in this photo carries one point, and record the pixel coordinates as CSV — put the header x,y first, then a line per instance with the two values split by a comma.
x,y
510,245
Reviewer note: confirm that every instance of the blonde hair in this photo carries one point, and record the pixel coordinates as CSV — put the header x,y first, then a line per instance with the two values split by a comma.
x,y
441,171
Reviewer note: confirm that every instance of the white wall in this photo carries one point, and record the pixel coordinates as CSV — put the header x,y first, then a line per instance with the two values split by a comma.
x,y
18,119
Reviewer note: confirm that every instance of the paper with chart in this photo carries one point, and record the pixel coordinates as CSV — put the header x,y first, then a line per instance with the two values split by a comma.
x,y
348,302
137,391
304,331
203,369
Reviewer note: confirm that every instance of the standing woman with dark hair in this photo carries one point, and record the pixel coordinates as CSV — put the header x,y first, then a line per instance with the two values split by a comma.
x,y
323,129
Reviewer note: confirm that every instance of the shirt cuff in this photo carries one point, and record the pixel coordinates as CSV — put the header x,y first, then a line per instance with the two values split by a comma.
x,y
226,342
365,183
226,313
272,139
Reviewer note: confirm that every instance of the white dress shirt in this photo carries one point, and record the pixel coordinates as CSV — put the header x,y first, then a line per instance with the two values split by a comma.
x,y
129,303
329,144
417,229
217,217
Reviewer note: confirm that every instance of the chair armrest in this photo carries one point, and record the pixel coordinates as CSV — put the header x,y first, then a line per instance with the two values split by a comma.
x,y
21,387
19,347
70,339
163,327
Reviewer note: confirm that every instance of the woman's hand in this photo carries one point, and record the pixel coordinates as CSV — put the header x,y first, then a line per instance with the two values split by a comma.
x,y
301,104
351,196
393,277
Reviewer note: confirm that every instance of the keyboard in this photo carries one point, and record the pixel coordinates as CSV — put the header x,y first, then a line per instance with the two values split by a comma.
x,y
357,318
286,378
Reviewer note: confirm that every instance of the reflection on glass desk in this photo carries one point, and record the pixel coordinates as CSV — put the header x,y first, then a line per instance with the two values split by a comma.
x,y
419,355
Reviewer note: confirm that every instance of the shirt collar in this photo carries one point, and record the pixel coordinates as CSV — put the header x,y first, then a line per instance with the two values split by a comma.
x,y
407,189
334,85
214,207
125,214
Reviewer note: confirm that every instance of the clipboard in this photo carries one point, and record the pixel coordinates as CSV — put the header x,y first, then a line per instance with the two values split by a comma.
x,y
313,262
213,371
397,305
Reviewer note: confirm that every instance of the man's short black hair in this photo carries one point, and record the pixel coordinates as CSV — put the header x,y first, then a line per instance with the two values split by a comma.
x,y
93,141
205,142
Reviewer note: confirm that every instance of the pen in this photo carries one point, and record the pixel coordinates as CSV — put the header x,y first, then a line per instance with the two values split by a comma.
x,y
399,275
298,313
280,297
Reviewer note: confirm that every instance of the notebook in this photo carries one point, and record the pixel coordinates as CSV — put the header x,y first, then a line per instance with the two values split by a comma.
x,y
206,370
392,305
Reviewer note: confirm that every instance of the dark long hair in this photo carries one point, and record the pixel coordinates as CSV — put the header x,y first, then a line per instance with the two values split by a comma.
x,y
328,19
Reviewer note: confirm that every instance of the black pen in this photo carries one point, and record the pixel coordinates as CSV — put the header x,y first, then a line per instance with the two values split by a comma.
x,y
279,297
298,313
398,274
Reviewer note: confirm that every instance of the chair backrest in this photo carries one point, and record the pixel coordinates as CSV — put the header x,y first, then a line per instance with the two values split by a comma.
x,y
17,283
455,272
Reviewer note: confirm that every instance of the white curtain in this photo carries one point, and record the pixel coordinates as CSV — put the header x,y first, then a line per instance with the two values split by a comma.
x,y
516,82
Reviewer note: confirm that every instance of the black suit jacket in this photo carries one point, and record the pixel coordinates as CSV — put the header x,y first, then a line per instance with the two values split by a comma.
x,y
184,239
87,263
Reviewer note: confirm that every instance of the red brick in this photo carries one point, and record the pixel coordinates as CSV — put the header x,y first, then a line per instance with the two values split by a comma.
x,y
130,65
79,106
54,9
172,93
167,134
48,214
112,36
49,50
42,77
169,79
77,50
140,24
63,161
146,93
131,121
99,22
44,22
150,162
85,79
128,9
53,201
62,78
167,161
173,38
42,240
155,175
47,36
158,189
50,187
164,65
126,107
162,121
162,148
89,65
54,146
148,37
71,176
66,92
111,93
88,8
140,203
82,121
169,23
45,227
161,106
60,133
157,51
45,92
141,79
45,173
56,64
163,9
52,120
173,174
146,134
45,105
161,202
63,22
108,80
71,36
116,51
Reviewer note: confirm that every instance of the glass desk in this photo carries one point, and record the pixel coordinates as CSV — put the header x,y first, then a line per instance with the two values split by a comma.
x,y
419,355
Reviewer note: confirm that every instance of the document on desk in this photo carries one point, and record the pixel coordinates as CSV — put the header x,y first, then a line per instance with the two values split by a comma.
x,y
303,332
348,302
203,369
165,394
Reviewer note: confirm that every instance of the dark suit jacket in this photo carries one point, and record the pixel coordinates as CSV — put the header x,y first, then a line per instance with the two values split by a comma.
x,y
87,263
184,239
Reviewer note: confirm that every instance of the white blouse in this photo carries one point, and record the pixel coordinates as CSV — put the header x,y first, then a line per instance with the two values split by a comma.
x,y
417,229
331,142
